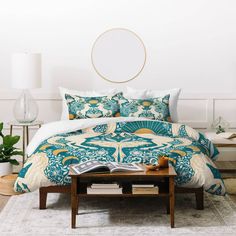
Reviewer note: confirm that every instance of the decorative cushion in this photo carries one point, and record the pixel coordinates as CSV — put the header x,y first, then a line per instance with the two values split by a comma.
x,y
92,93
152,108
92,107
146,93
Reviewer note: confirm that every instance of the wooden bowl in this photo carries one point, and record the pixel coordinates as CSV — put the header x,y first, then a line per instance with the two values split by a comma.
x,y
151,167
6,185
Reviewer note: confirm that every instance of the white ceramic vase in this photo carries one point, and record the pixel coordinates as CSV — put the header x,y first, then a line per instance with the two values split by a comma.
x,y
5,168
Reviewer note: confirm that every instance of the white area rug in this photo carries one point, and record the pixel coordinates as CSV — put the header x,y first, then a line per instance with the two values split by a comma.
x,y
104,216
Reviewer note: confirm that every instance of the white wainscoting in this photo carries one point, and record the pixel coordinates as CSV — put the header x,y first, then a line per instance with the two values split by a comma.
x,y
200,110
196,110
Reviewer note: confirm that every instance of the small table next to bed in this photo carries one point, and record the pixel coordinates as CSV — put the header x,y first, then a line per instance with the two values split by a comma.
x,y
226,145
25,133
164,178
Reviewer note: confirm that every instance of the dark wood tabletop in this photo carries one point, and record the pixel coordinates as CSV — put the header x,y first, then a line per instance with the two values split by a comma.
x,y
162,172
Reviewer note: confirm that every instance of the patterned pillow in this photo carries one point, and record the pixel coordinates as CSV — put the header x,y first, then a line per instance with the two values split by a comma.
x,y
152,108
92,107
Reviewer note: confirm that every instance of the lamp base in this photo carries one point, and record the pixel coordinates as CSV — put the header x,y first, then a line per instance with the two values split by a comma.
x,y
25,108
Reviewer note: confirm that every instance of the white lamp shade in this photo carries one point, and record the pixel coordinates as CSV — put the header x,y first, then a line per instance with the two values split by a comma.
x,y
26,70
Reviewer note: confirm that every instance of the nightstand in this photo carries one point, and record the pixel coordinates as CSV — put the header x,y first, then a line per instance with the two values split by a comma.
x,y
25,132
226,145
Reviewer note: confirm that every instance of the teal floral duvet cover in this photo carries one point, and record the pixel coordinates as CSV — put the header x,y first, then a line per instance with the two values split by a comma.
x,y
140,141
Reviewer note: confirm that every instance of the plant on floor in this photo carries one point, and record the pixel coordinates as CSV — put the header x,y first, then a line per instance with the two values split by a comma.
x,y
7,149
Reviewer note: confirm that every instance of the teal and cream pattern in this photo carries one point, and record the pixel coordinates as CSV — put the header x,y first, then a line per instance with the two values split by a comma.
x,y
92,107
189,152
151,108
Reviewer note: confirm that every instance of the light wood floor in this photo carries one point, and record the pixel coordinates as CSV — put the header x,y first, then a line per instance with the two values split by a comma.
x,y
220,164
3,201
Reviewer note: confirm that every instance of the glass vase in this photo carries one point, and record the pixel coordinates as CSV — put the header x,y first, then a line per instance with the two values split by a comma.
x,y
220,125
25,108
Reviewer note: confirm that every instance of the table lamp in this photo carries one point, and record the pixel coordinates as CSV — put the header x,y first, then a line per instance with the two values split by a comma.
x,y
26,74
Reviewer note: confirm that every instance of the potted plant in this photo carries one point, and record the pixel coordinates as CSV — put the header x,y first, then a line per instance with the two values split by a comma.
x,y
7,151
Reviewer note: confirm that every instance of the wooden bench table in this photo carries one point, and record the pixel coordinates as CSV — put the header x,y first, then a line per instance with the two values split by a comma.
x,y
163,178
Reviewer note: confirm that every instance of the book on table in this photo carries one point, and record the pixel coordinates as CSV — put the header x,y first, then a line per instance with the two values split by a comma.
x,y
102,167
101,188
145,189
226,135
143,185
105,186
104,190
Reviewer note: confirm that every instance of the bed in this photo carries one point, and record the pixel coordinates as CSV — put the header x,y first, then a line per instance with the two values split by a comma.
x,y
128,139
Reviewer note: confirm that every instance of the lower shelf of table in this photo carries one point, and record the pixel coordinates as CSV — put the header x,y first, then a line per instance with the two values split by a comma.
x,y
124,195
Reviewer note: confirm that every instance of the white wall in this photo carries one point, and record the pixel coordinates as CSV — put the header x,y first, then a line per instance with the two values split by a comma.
x,y
190,44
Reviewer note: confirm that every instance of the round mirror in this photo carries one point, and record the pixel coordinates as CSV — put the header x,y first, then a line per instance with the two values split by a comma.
x,y
118,55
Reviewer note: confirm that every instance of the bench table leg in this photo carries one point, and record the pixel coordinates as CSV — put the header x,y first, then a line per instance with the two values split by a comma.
x,y
42,198
74,201
200,199
172,201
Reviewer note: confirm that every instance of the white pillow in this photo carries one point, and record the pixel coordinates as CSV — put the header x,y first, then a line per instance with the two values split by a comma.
x,y
145,93
132,93
63,91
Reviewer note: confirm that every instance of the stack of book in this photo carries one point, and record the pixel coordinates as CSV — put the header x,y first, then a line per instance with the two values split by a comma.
x,y
104,189
145,189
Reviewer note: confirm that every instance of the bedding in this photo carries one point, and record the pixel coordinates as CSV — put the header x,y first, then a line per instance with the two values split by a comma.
x,y
125,139
92,107
148,93
151,108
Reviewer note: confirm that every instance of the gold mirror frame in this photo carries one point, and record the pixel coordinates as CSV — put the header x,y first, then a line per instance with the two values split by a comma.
x,y
137,74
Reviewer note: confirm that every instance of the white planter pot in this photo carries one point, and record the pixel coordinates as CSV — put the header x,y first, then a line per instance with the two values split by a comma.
x,y
5,168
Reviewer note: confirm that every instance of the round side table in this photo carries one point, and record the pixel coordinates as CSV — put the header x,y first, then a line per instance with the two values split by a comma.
x,y
25,132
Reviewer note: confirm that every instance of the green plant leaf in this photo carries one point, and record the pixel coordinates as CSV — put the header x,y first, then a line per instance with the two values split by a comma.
x,y
10,141
1,126
7,149
20,153
3,161
14,162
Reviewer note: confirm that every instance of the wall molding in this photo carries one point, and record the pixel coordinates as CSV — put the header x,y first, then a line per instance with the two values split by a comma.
x,y
195,109
45,94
